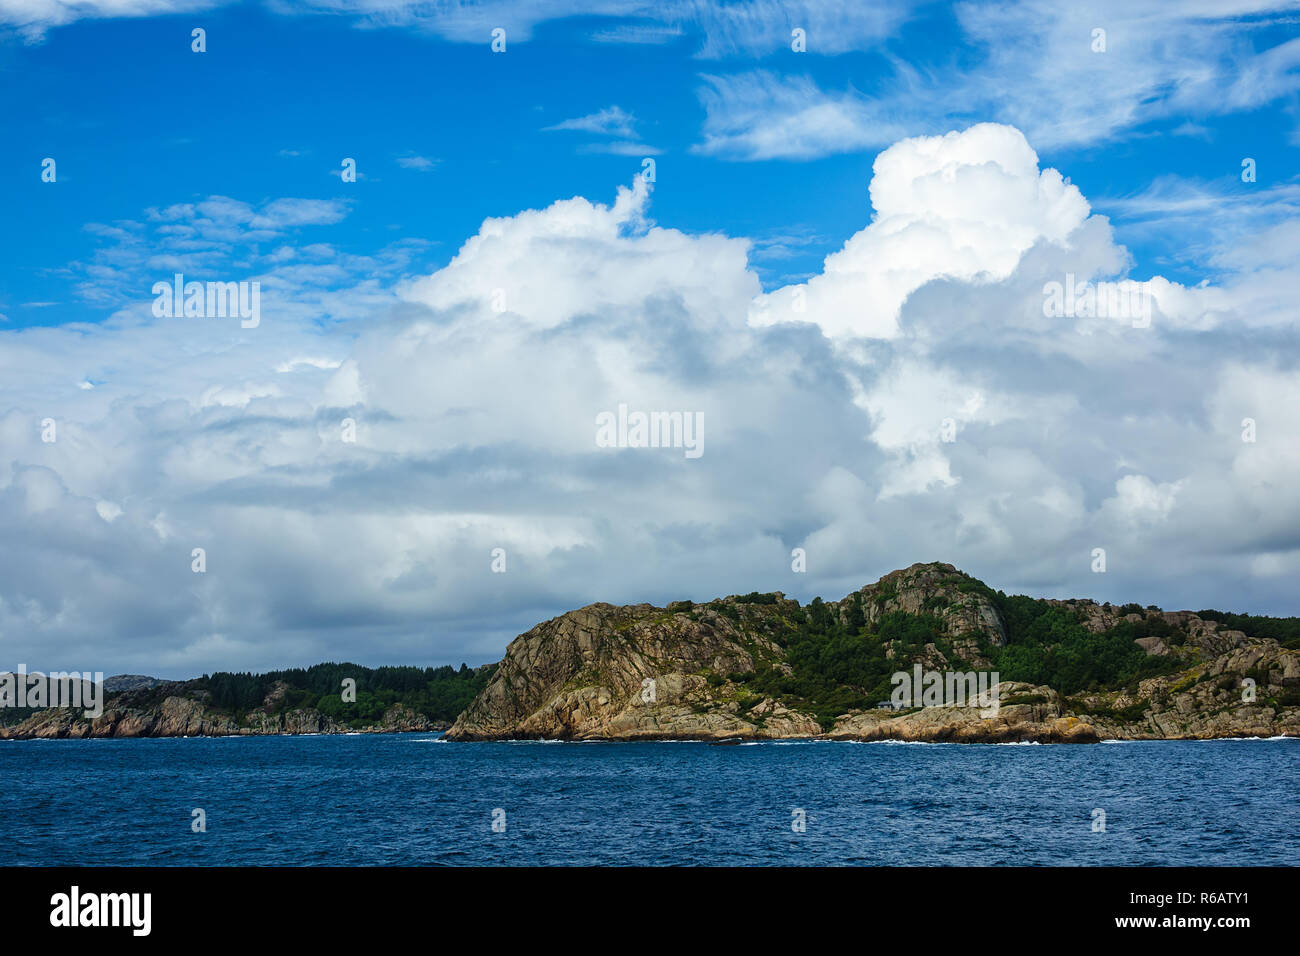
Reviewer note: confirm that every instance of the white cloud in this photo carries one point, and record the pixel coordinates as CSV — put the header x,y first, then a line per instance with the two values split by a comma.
x,y
576,258
964,206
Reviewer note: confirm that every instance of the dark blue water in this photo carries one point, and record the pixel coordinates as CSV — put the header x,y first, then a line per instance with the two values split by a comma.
x,y
411,799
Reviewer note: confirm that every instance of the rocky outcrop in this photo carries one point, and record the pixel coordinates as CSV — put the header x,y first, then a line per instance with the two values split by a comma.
x,y
1025,714
636,673
939,590
123,682
644,672
1228,694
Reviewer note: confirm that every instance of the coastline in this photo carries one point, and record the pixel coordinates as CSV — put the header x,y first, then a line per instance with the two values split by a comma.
x,y
993,738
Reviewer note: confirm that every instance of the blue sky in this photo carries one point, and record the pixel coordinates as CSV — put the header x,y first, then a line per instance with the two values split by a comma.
x,y
225,165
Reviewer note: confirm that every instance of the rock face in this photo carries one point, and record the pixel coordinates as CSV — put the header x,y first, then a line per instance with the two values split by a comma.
x,y
643,672
632,673
1029,714
182,712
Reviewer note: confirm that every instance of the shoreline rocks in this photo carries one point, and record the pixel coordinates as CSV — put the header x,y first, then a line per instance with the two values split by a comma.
x,y
182,716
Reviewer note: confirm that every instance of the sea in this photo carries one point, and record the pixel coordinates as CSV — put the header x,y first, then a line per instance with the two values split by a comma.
x,y
415,799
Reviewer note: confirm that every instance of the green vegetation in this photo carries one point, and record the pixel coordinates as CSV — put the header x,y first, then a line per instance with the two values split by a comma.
x,y
439,693
839,664
1127,715
1287,698
726,610
837,668
1048,645
1284,630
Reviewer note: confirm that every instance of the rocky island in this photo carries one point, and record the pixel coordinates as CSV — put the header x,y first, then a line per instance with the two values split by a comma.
x,y
324,699
761,666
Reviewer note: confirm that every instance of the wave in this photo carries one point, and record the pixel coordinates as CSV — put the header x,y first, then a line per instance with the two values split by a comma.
x,y
901,743
781,743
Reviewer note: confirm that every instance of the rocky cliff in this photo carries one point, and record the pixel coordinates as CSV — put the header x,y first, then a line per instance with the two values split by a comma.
x,y
636,672
762,666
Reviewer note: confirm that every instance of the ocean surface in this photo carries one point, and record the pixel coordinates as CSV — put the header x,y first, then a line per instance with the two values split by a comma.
x,y
413,799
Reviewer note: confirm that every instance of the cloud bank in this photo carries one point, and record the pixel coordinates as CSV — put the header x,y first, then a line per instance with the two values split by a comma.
x,y
349,466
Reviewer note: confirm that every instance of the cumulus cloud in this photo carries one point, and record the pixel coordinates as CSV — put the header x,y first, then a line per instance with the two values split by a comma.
x,y
964,206
577,258
350,465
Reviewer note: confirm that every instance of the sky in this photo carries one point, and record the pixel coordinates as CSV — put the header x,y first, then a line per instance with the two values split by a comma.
x,y
832,235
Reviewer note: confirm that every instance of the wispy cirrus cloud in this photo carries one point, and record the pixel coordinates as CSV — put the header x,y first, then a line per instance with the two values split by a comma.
x,y
612,121
638,34
1210,223
719,30
420,163
622,147
762,115
1043,69
34,18
762,28
1066,75
221,238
